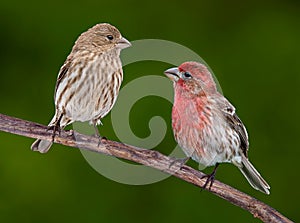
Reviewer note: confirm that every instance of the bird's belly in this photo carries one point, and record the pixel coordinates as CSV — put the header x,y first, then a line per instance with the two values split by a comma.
x,y
88,108
208,146
89,100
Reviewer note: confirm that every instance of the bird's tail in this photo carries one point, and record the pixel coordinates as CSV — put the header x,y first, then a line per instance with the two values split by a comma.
x,y
40,145
253,176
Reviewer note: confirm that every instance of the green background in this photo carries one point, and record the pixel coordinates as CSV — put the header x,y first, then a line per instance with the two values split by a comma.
x,y
252,47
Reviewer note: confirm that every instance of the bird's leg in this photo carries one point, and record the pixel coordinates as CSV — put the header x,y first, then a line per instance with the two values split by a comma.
x,y
180,161
210,178
56,127
97,134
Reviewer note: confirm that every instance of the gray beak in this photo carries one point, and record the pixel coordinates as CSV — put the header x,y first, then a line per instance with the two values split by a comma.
x,y
123,43
173,73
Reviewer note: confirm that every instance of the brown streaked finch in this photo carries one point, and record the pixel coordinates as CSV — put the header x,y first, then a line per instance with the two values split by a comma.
x,y
88,82
206,126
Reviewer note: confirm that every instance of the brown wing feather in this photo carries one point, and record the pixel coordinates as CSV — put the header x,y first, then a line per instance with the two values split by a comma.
x,y
235,122
62,74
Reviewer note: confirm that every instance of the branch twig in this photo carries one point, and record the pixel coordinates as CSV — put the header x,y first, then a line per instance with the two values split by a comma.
x,y
146,157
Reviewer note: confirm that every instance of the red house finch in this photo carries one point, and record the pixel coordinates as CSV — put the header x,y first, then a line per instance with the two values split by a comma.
x,y
88,83
206,126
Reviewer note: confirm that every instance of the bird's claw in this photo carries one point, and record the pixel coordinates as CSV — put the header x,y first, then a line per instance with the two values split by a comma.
x,y
210,178
54,128
100,138
70,132
180,161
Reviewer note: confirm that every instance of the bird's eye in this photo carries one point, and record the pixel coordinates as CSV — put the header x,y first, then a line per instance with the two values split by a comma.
x,y
186,75
109,37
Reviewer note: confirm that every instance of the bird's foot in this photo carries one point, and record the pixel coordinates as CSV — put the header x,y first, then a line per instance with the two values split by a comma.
x,y
210,178
70,132
100,139
179,161
97,134
54,129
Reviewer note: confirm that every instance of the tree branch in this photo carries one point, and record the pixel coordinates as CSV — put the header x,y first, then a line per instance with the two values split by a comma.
x,y
146,157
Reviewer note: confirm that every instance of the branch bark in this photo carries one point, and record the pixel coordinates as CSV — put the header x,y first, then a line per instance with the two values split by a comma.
x,y
146,157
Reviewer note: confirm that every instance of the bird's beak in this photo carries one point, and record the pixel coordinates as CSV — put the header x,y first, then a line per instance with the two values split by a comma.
x,y
172,73
123,43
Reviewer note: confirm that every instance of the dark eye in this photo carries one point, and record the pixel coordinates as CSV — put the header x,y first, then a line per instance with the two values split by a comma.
x,y
186,75
110,37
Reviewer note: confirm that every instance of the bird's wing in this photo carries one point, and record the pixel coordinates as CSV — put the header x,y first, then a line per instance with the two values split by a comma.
x,y
235,122
62,74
